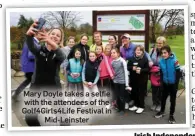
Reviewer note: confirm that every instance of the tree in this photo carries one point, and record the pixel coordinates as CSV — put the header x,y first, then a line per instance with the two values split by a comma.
x,y
62,19
86,28
157,32
167,18
23,25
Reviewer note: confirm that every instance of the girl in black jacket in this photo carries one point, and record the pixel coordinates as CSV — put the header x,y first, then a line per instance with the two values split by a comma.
x,y
48,59
82,46
139,68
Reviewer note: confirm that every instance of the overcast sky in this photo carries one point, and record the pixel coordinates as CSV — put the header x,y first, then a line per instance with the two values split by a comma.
x,y
14,17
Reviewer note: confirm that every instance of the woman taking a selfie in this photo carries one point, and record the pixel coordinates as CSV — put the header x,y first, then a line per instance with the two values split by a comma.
x,y
47,59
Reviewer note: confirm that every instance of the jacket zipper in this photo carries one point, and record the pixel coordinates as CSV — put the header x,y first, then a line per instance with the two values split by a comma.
x,y
46,56
167,71
85,54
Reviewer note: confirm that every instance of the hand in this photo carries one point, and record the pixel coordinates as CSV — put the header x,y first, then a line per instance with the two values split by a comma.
x,y
128,88
138,71
134,68
112,77
151,64
90,84
32,31
77,75
85,83
73,75
44,37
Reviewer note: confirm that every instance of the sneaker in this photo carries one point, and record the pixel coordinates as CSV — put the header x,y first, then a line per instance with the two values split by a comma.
x,y
126,106
171,119
159,115
158,108
153,107
134,108
139,110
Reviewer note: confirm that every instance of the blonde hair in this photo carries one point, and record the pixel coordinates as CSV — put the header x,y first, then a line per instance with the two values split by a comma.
x,y
71,37
61,44
108,45
142,48
161,38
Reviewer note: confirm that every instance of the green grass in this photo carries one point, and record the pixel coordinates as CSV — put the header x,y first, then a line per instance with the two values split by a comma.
x,y
177,46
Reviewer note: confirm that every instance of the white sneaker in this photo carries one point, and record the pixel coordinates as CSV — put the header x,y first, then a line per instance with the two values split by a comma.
x,y
126,106
134,108
139,110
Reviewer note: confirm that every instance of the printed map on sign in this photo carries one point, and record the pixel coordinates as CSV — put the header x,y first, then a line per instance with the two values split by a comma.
x,y
135,22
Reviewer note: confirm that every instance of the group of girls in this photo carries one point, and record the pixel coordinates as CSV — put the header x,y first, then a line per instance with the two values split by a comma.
x,y
89,68
102,66
125,73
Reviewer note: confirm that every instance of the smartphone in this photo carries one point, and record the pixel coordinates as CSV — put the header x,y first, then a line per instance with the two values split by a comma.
x,y
41,22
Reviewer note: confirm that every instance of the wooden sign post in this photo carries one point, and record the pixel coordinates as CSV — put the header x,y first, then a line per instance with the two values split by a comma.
x,y
118,22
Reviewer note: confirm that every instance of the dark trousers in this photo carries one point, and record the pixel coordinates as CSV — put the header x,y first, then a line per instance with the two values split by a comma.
x,y
25,83
32,120
169,89
139,96
156,95
120,93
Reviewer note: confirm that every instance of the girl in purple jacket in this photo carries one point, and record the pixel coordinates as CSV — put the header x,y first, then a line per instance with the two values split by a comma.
x,y
28,64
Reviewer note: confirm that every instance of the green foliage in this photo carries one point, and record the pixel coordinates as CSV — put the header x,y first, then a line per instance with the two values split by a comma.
x,y
158,31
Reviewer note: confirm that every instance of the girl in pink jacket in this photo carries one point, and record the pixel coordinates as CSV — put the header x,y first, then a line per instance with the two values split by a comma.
x,y
105,70
104,60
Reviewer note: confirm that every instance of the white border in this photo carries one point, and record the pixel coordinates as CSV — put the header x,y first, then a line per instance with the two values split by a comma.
x,y
187,125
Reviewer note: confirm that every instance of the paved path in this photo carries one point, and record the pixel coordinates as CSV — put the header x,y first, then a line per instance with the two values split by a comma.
x,y
130,118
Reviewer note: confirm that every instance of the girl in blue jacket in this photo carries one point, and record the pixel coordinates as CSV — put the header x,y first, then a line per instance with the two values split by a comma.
x,y
74,70
170,71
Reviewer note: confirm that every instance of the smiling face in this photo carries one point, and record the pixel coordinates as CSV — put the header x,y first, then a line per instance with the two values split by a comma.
x,y
138,52
98,50
77,54
56,36
84,40
108,49
111,40
71,42
92,56
125,40
159,44
165,54
97,38
114,54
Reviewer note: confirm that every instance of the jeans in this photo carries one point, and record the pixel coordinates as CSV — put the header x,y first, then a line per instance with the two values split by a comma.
x,y
25,83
